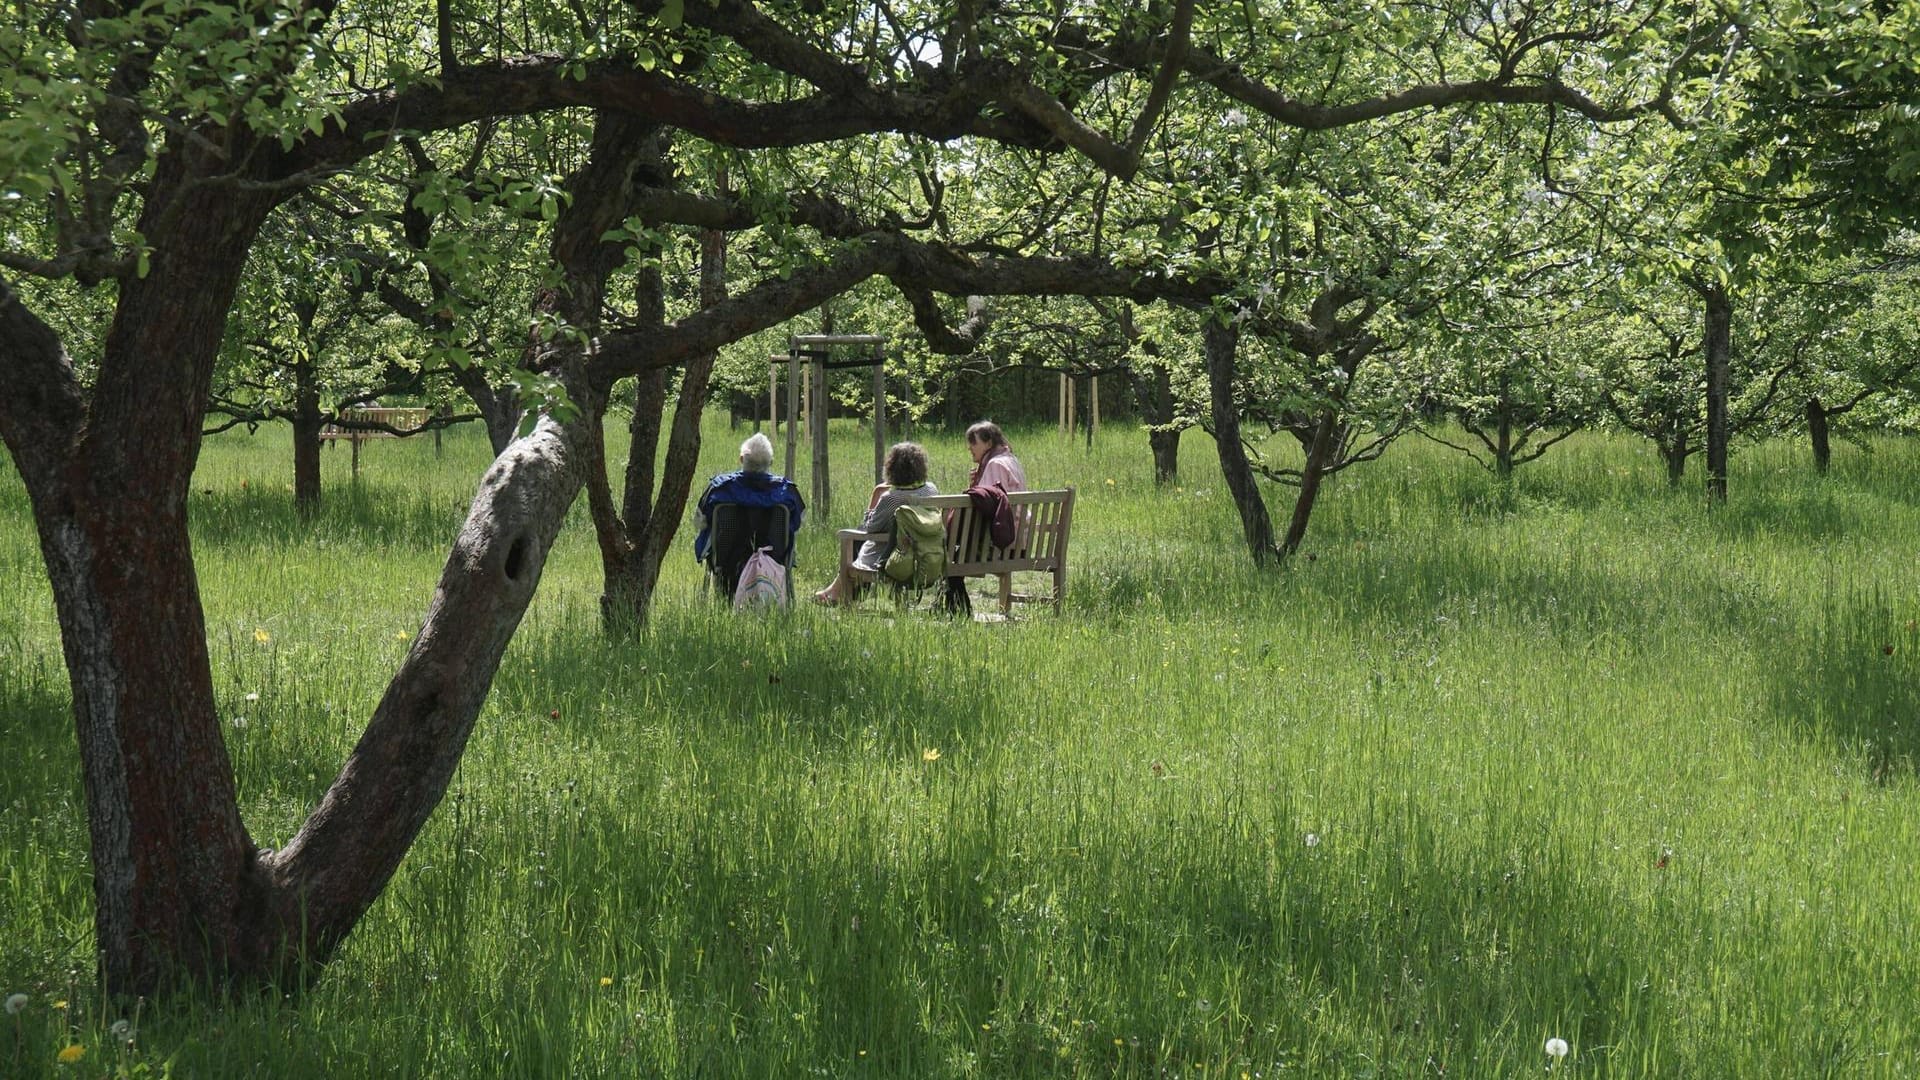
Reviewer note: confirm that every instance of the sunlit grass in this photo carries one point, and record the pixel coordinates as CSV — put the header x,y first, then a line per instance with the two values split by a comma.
x,y
1574,757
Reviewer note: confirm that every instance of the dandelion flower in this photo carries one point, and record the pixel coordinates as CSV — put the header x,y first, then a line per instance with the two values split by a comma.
x,y
930,754
1556,1047
16,1002
261,636
606,980
72,1054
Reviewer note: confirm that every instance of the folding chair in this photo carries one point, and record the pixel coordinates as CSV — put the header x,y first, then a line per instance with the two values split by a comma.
x,y
738,532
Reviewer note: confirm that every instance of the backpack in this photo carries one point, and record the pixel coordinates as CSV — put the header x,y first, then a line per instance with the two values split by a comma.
x,y
763,583
919,557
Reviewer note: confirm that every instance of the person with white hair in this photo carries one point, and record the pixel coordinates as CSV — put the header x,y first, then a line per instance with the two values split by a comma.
x,y
753,484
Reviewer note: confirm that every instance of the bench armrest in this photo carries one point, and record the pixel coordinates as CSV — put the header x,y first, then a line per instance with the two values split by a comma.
x,y
850,541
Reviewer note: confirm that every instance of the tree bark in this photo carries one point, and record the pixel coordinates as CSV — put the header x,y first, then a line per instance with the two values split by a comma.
x,y
499,408
1326,441
627,597
307,422
1675,455
177,890
1221,340
331,872
1817,431
1719,350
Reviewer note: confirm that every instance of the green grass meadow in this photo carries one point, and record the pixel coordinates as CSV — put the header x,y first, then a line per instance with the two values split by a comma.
x,y
1574,757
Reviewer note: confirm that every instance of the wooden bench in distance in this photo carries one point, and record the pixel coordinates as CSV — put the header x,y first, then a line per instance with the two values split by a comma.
x,y
402,420
398,422
1044,519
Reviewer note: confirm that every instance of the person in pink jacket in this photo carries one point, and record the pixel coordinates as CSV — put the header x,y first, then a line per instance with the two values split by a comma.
x,y
993,462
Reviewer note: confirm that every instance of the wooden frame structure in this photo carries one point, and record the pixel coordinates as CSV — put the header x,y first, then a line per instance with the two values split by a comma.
x,y
807,402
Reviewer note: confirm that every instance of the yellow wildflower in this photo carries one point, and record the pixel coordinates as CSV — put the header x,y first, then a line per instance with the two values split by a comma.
x,y
261,636
930,754
606,980
72,1054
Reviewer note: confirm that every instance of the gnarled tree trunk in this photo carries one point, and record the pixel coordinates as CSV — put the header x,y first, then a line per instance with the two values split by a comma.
x,y
634,543
1220,341
1320,452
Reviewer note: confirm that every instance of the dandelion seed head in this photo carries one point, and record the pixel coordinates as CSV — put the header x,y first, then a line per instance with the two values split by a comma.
x,y
15,1003
122,1030
1556,1047
1313,839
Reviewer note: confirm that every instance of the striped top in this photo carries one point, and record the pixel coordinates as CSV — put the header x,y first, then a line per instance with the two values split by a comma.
x,y
880,520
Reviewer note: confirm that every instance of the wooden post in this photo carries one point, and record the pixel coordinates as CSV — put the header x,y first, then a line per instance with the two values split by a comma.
x,y
879,416
355,440
1062,401
773,394
793,411
817,425
1093,406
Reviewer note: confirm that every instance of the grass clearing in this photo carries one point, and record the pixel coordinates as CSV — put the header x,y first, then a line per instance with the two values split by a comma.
x,y
1572,757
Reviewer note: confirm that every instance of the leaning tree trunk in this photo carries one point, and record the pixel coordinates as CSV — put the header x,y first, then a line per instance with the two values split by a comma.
x,y
333,870
1719,350
1817,431
1326,440
1220,341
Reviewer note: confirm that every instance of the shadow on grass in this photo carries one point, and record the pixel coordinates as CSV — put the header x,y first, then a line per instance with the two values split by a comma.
x,y
1856,680
781,941
885,683
361,514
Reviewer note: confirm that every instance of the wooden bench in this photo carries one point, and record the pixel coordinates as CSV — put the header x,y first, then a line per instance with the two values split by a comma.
x,y
1043,520
375,423
393,423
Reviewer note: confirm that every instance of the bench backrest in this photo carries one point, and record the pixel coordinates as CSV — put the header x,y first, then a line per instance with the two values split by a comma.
x,y
404,418
1042,521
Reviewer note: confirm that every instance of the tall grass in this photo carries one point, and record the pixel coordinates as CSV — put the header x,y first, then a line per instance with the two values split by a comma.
x,y
1572,757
